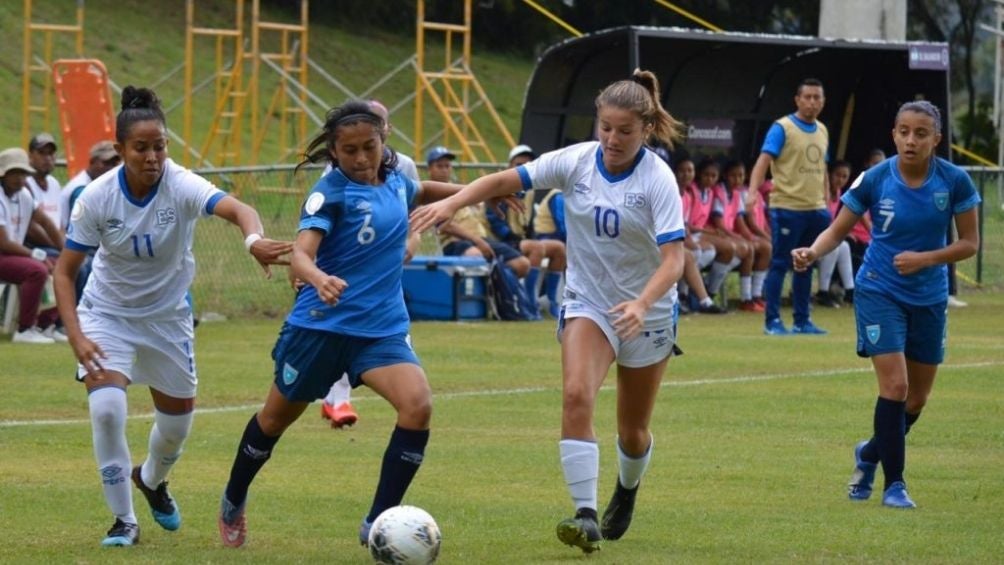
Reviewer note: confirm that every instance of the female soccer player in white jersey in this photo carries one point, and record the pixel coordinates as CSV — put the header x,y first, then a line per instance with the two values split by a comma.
x,y
901,291
625,253
349,253
133,324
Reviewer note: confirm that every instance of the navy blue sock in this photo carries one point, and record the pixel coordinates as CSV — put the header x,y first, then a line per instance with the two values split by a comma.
x,y
890,435
252,453
870,451
401,461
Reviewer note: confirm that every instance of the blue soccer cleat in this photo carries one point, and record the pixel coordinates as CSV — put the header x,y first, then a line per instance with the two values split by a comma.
x,y
165,511
121,535
896,497
860,487
775,327
808,328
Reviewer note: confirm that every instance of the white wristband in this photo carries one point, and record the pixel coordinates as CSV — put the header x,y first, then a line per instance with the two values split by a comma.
x,y
249,240
39,254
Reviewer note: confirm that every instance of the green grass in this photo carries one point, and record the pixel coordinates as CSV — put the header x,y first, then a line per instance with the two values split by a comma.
x,y
753,448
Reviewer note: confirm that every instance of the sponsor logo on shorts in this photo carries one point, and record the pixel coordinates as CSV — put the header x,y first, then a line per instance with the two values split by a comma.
x,y
289,374
660,341
874,332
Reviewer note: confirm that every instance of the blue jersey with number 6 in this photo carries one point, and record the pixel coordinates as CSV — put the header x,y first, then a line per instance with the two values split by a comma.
x,y
365,230
908,219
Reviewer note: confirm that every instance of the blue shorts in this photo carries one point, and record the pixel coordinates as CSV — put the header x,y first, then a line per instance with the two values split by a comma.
x,y
308,362
886,325
503,251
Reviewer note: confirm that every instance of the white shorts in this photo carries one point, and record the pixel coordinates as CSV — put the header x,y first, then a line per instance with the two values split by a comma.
x,y
157,353
647,348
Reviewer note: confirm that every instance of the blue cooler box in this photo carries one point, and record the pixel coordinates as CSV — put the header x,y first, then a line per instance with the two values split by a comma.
x,y
446,288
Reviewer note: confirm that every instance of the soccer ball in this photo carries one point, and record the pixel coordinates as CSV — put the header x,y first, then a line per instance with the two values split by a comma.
x,y
405,535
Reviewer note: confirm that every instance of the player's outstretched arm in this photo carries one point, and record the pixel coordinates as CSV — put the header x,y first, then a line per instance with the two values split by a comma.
x,y
758,175
266,251
500,184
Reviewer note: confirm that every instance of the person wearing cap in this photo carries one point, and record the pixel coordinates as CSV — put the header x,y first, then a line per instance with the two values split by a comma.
x,y
44,188
28,268
467,233
516,229
103,159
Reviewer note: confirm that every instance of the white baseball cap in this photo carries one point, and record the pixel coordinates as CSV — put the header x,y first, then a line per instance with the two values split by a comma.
x,y
521,149
15,159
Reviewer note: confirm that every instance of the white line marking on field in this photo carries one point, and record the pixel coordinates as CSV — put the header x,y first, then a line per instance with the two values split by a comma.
x,y
523,390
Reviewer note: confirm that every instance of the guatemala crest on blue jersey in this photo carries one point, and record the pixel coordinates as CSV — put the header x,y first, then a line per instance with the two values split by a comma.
x,y
874,332
941,200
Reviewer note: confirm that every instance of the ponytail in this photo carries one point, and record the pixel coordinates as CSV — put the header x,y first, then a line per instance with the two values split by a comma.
x,y
641,95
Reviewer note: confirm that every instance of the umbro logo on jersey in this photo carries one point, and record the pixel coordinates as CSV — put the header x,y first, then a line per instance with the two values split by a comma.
x,y
887,203
363,206
582,188
114,224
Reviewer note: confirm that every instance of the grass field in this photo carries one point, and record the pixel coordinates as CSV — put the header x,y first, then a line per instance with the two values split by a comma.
x,y
753,448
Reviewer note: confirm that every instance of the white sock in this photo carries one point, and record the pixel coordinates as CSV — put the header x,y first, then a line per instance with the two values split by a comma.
x,y
734,263
745,288
107,407
844,266
717,276
758,278
340,392
166,441
632,469
580,460
707,302
705,257
826,264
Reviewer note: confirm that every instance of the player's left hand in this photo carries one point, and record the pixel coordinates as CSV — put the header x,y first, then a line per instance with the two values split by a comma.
x,y
909,262
631,319
425,217
270,252
509,200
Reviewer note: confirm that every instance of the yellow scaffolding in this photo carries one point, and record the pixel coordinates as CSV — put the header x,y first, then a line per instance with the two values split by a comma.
x,y
291,57
237,101
222,144
31,67
452,106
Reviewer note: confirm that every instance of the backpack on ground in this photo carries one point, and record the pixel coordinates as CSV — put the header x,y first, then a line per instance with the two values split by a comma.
x,y
509,300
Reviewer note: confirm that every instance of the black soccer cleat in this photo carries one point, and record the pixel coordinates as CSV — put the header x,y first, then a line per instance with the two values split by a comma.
x,y
162,506
581,531
121,535
617,516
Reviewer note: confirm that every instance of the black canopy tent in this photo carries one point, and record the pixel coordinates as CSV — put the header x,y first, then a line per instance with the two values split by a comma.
x,y
729,87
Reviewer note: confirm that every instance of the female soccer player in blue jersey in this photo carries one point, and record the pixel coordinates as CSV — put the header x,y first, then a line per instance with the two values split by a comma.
x,y
901,290
350,316
625,254
134,324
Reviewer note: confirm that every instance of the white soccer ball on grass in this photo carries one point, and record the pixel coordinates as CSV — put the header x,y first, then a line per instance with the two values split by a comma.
x,y
405,535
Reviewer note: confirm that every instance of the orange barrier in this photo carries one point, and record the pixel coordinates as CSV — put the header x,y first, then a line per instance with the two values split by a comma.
x,y
85,108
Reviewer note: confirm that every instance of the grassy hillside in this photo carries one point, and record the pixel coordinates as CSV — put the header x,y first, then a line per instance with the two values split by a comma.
x,y
141,42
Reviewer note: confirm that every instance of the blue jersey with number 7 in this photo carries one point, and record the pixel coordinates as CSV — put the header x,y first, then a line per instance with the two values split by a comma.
x,y
908,219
